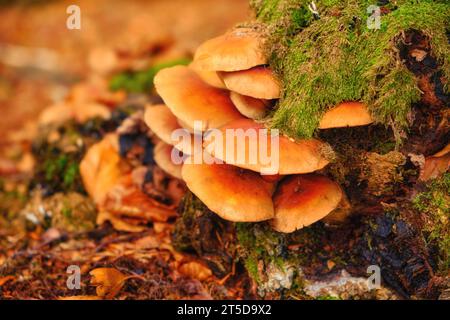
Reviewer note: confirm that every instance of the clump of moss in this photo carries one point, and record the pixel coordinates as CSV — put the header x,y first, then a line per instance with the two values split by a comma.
x,y
434,202
258,243
280,263
59,171
336,58
328,298
57,161
141,81
72,212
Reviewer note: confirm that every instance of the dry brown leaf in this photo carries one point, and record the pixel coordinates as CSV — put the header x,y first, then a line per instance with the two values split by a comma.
x,y
436,165
56,113
127,200
6,279
117,223
89,110
109,281
100,169
80,298
95,90
195,270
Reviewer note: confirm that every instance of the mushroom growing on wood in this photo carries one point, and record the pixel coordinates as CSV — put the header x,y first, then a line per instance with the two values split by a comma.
x,y
210,77
190,99
302,156
161,121
301,200
240,49
162,154
258,82
250,107
346,114
233,193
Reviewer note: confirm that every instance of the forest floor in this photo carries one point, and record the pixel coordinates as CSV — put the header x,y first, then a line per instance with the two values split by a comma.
x,y
37,260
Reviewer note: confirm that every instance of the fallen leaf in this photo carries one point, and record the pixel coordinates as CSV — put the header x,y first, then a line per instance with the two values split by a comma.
x,y
128,200
117,223
109,281
195,270
100,169
6,279
80,298
436,165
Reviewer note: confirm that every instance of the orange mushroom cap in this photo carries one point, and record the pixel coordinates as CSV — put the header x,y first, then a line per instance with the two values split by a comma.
x,y
346,114
162,155
210,77
234,194
302,156
258,82
190,99
301,200
239,49
250,107
161,121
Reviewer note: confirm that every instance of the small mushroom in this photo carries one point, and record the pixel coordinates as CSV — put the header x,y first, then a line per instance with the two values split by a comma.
x,y
301,156
346,114
190,99
240,49
162,155
185,126
258,82
161,121
234,194
301,200
209,77
250,107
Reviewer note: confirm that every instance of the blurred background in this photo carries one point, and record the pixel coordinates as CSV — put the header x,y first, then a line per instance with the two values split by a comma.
x,y
40,58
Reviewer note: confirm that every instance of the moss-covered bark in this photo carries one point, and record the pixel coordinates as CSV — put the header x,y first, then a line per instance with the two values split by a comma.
x,y
335,57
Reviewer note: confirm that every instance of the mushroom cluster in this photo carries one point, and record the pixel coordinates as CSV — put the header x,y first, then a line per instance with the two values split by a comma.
x,y
230,86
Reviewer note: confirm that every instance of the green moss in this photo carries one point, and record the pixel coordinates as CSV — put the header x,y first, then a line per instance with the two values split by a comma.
x,y
258,243
337,58
328,298
60,171
57,163
72,212
435,204
251,264
141,81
